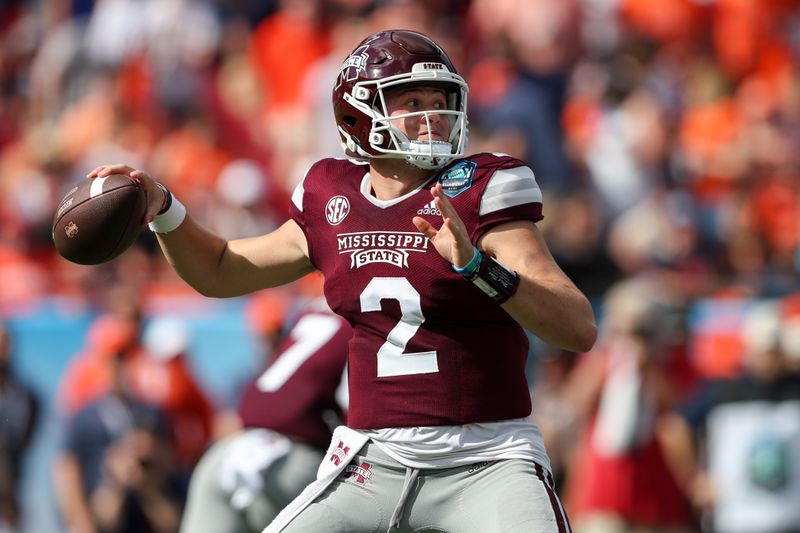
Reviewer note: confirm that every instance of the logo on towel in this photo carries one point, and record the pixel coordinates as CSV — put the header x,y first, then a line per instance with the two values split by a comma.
x,y
339,453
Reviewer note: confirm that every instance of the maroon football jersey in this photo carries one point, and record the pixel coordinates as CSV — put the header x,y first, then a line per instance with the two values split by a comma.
x,y
299,387
429,348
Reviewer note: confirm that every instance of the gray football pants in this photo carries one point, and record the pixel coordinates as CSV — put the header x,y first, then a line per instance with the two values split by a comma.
x,y
208,508
376,494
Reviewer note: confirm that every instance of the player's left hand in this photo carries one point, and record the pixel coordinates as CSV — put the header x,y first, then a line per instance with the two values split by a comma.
x,y
451,240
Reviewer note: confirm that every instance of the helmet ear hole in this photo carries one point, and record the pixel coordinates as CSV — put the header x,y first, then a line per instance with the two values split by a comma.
x,y
350,120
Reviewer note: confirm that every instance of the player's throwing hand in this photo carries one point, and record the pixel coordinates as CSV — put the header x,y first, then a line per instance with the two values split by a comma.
x,y
156,195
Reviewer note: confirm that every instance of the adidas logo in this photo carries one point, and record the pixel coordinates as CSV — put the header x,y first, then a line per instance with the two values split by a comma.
x,y
430,209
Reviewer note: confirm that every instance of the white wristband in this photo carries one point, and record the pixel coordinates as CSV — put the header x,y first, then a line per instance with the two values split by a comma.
x,y
170,219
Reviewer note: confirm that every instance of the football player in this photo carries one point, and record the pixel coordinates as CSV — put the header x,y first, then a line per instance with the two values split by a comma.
x,y
436,260
244,480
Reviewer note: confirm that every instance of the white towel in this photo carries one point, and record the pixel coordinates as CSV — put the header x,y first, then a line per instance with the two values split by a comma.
x,y
344,446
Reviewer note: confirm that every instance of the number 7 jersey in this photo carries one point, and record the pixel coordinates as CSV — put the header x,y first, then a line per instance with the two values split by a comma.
x,y
428,348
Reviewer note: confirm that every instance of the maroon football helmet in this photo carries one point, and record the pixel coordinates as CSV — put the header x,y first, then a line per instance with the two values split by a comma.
x,y
390,59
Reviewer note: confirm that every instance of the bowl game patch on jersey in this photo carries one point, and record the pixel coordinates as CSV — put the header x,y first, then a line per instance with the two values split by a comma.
x,y
457,178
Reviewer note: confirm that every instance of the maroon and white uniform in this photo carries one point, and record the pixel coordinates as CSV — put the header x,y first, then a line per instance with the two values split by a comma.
x,y
300,386
245,479
428,347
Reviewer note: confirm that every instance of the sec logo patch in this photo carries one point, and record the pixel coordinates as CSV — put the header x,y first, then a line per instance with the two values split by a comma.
x,y
337,210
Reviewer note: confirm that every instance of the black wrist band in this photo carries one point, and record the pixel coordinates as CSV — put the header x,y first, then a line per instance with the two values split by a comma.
x,y
493,278
167,199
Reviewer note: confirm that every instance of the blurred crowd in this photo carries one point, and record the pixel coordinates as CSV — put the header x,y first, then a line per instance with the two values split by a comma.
x,y
665,135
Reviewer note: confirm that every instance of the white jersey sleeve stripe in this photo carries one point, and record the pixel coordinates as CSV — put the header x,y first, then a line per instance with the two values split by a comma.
x,y
299,191
509,188
297,196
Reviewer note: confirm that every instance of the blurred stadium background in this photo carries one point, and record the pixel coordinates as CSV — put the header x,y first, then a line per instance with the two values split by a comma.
x,y
665,135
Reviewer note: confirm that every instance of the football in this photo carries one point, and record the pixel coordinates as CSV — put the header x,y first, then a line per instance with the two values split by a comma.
x,y
99,219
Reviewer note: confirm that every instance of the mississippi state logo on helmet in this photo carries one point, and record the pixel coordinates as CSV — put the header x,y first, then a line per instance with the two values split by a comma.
x,y
392,59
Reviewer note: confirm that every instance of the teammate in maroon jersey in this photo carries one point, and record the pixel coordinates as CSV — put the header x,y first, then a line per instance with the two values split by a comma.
x,y
436,261
244,480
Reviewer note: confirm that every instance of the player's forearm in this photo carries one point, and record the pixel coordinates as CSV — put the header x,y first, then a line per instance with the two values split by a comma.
x,y
546,302
221,269
557,313
195,254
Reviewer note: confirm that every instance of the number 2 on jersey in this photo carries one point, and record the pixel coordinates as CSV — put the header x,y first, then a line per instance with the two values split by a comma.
x,y
392,361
